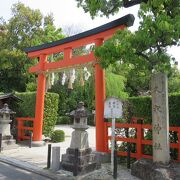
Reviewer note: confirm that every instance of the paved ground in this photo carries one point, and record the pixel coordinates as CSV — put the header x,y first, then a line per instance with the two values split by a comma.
x,y
38,155
35,159
9,172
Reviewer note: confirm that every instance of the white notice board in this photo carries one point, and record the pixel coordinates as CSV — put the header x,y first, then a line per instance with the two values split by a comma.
x,y
113,108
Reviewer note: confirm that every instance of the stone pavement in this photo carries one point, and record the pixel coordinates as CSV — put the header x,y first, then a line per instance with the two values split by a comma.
x,y
38,155
11,172
35,159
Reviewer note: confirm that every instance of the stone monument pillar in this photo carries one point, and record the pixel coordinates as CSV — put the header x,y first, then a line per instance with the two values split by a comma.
x,y
160,118
79,155
157,169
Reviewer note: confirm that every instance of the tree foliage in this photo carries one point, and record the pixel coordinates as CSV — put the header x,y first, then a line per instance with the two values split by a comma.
x,y
26,27
115,85
144,50
104,7
174,82
68,99
159,28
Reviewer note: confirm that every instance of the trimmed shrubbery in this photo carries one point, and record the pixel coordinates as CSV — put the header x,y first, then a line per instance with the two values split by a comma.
x,y
58,136
141,107
50,113
64,120
27,109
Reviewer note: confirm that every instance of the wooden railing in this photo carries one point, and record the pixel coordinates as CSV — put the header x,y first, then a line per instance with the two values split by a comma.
x,y
138,139
22,128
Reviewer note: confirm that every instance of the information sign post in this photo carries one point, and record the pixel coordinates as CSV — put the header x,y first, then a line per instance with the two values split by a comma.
x,y
113,110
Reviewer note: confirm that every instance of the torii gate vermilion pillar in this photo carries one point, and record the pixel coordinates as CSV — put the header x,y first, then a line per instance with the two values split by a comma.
x,y
100,98
97,36
39,112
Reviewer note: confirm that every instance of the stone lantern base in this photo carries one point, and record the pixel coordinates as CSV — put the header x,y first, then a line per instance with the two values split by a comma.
x,y
83,161
8,143
79,156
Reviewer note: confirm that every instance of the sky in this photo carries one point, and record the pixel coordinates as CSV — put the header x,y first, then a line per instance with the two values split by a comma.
x,y
67,14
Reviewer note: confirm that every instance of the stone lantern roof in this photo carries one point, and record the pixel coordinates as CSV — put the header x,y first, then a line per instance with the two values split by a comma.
x,y
6,110
80,111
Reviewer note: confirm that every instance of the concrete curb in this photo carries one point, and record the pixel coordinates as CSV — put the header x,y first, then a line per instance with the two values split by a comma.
x,y
29,167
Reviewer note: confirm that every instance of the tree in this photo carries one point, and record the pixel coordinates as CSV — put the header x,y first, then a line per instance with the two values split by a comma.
x,y
174,81
69,98
118,83
25,28
105,7
145,49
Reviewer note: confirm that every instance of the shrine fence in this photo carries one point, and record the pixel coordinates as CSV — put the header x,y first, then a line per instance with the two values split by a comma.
x,y
23,128
136,135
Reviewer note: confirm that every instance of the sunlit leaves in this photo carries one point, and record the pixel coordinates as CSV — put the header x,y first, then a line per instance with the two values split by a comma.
x,y
148,46
24,29
118,83
100,7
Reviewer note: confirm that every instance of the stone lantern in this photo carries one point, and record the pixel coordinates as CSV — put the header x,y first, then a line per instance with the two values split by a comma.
x,y
79,155
5,121
79,135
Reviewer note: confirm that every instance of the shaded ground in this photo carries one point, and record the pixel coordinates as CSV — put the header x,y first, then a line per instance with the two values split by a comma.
x,y
8,172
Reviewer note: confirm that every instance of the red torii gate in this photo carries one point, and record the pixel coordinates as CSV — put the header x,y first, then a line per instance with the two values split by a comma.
x,y
66,45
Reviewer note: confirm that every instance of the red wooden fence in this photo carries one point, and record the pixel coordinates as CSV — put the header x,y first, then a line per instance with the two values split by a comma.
x,y
138,139
21,127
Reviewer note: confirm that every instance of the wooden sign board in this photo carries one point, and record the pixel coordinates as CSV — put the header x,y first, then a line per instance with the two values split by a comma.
x,y
113,108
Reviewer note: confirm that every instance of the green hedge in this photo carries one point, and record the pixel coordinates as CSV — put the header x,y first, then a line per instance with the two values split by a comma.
x,y
141,107
64,120
27,109
58,136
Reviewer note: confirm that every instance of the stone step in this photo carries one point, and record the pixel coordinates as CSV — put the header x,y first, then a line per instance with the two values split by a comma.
x,y
81,152
82,160
81,169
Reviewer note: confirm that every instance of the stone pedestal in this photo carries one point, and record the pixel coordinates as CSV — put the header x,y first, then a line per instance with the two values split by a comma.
x,y
160,118
79,156
79,140
83,161
8,143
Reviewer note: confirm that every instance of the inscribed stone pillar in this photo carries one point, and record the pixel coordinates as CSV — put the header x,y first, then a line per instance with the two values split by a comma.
x,y
55,158
160,118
